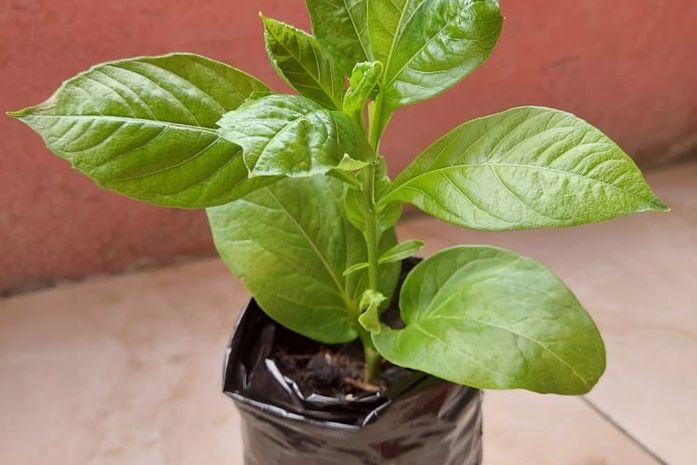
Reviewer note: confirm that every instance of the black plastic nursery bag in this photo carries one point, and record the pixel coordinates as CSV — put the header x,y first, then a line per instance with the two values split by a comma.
x,y
418,420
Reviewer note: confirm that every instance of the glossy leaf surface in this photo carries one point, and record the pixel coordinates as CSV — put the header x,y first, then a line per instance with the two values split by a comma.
x,y
524,168
340,25
291,135
489,318
290,244
386,20
428,46
303,63
145,127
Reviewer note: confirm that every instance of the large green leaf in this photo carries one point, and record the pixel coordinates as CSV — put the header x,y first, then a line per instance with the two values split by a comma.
x,y
291,135
489,318
303,62
145,127
340,25
290,244
524,168
428,46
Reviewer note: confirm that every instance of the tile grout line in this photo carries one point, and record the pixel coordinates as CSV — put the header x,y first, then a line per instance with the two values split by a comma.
x,y
624,431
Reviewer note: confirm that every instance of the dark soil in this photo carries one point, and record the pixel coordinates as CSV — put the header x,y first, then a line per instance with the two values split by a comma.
x,y
333,371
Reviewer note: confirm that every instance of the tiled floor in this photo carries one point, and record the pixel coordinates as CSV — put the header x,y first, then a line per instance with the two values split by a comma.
x,y
126,370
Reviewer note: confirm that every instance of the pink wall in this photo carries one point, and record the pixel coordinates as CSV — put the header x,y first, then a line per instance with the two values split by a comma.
x,y
629,67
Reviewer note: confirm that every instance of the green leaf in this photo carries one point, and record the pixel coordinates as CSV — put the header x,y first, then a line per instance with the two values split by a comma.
x,y
428,46
145,128
401,251
370,310
291,135
290,243
349,164
524,168
387,214
364,78
347,177
489,318
303,63
386,20
356,267
340,25
396,254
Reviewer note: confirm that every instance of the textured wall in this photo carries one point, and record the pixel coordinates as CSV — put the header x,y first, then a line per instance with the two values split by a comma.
x,y
630,67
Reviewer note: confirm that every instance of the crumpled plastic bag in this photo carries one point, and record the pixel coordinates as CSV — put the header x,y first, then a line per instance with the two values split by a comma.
x,y
418,420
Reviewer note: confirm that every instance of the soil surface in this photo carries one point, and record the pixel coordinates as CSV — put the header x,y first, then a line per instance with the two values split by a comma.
x,y
333,371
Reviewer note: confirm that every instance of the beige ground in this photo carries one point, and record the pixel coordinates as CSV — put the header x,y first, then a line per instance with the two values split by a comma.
x,y
126,370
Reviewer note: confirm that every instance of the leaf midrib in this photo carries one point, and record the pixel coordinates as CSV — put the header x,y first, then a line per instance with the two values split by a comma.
x,y
411,58
287,125
395,37
585,382
312,244
355,27
458,350
316,77
128,119
518,165
558,357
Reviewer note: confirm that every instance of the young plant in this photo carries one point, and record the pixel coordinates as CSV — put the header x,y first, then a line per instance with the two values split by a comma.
x,y
301,207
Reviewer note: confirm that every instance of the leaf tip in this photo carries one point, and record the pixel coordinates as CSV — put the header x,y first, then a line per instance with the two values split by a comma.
x,y
19,113
349,163
267,21
659,206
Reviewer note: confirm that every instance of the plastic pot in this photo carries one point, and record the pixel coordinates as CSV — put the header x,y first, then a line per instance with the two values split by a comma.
x,y
418,420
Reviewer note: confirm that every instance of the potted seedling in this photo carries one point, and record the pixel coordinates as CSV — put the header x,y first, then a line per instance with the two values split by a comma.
x,y
351,351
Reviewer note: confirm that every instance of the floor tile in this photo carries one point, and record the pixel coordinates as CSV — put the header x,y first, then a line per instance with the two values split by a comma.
x,y
123,370
522,428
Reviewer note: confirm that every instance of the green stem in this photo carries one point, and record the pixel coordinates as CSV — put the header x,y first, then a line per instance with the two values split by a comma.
x,y
371,225
372,357
371,232
376,126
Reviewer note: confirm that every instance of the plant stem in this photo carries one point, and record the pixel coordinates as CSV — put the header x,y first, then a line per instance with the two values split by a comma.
x,y
376,126
371,232
372,357
371,226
